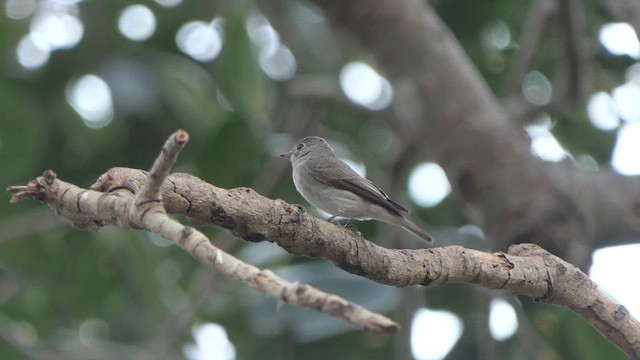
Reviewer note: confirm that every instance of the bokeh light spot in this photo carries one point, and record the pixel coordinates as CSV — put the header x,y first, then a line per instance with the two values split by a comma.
x,y
626,97
19,9
168,3
503,322
61,30
33,51
276,60
211,342
279,65
625,153
91,97
536,88
200,40
434,333
620,39
543,143
496,36
428,184
364,86
614,269
472,230
137,22
262,34
603,112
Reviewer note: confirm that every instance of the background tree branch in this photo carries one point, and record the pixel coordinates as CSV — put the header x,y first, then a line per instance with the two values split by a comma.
x,y
514,197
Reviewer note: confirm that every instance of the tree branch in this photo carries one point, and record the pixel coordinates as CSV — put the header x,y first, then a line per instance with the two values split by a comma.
x,y
143,209
127,198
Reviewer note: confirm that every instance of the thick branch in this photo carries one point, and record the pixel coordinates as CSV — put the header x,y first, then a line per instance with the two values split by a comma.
x,y
525,269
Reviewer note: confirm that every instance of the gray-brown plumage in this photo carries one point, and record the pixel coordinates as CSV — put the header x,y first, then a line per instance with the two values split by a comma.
x,y
332,186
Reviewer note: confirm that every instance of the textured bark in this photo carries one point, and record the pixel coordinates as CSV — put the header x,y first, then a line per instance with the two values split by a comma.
x,y
525,269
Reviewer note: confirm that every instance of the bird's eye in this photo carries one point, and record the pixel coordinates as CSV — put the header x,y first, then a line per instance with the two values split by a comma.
x,y
300,146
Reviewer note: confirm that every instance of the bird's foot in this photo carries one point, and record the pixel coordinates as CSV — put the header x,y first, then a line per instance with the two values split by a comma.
x,y
331,218
352,227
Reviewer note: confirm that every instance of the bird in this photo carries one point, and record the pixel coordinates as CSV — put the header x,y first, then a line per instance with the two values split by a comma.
x,y
330,185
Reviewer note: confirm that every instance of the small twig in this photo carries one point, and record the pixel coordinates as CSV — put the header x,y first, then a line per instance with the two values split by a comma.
x,y
162,166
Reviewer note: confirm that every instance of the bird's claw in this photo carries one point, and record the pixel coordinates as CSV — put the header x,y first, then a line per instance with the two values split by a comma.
x,y
352,227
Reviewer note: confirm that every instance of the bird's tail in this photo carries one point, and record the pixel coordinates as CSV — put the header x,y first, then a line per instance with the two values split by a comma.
x,y
416,230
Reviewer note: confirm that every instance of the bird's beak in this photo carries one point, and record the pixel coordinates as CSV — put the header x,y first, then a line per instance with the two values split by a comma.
x,y
286,155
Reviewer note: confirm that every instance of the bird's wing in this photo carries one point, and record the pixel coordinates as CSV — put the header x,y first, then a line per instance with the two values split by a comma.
x,y
345,178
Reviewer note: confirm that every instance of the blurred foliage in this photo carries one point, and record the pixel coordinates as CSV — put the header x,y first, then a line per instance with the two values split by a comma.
x,y
54,278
